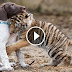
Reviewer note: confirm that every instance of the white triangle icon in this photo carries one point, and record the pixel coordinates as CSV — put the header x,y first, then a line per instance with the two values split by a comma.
x,y
36,36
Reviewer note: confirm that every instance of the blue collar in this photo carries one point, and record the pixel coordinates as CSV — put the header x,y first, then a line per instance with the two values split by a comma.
x,y
4,22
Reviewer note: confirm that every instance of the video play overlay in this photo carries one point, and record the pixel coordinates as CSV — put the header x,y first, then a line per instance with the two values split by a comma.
x,y
35,35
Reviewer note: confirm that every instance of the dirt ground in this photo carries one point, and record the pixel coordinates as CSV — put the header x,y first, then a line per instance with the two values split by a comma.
x,y
31,53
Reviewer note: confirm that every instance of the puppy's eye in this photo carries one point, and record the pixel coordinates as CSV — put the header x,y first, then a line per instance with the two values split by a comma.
x,y
12,4
26,16
21,14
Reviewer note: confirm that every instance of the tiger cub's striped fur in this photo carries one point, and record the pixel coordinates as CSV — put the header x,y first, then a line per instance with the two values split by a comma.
x,y
20,23
55,42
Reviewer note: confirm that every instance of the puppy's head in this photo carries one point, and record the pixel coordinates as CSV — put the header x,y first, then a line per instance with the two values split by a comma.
x,y
13,9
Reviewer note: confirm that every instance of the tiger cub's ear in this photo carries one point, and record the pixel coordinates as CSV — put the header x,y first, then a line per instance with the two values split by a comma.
x,y
25,15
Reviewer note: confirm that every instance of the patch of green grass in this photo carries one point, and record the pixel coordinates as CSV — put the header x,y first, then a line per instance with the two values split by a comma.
x,y
37,10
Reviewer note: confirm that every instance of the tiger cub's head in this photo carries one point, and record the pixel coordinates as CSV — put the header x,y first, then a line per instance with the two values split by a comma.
x,y
21,22
28,18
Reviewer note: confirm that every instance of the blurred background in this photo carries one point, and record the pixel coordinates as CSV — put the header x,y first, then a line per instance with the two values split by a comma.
x,y
45,6
58,12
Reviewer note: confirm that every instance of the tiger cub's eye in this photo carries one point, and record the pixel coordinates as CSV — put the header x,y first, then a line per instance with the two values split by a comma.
x,y
26,16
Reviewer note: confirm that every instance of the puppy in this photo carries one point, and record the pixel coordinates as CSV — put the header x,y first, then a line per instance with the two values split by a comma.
x,y
7,10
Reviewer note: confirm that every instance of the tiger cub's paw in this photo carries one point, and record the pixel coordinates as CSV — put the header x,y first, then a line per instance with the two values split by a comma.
x,y
47,64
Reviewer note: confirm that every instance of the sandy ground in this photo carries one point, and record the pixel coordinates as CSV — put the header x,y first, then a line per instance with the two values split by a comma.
x,y
31,53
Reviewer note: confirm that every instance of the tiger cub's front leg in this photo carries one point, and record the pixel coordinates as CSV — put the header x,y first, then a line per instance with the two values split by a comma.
x,y
15,46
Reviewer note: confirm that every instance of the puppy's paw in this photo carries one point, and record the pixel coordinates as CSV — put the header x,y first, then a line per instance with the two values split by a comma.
x,y
3,68
12,64
24,65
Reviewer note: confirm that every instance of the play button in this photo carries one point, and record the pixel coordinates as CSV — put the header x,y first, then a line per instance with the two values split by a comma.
x,y
35,35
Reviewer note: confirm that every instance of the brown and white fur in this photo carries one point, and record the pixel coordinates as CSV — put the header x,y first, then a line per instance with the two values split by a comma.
x,y
7,10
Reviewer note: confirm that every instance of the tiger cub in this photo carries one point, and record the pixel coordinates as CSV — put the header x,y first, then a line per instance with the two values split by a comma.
x,y
56,43
20,22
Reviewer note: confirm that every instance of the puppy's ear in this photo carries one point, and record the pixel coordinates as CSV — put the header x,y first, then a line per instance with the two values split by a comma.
x,y
2,5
